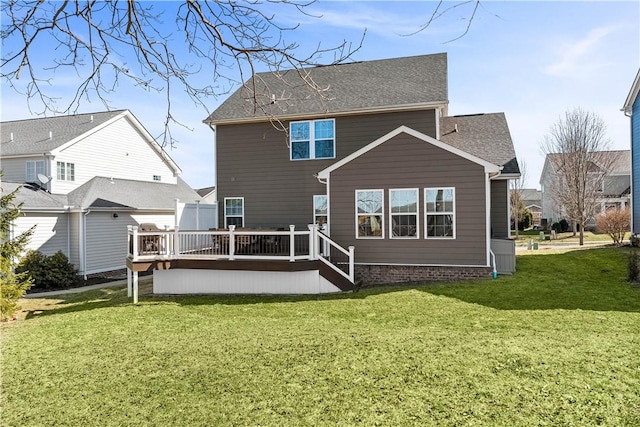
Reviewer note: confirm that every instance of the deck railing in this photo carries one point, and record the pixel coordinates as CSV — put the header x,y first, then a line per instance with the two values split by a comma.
x,y
241,244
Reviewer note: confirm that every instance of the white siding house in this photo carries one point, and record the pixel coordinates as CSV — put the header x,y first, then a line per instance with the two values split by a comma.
x,y
84,178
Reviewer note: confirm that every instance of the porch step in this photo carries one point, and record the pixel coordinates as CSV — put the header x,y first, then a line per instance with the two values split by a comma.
x,y
335,278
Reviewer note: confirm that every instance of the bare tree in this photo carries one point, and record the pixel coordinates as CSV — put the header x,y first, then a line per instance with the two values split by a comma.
x,y
577,149
516,202
173,45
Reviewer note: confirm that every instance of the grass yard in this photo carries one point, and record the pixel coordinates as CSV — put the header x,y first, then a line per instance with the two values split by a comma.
x,y
556,344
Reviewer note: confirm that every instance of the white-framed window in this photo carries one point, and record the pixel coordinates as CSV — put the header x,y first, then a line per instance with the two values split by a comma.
x,y
234,211
157,178
439,213
403,213
370,214
320,211
312,139
32,169
66,171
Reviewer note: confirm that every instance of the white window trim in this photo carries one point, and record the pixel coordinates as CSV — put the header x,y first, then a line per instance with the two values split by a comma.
x,y
312,140
315,215
382,220
66,168
233,216
452,213
416,214
35,170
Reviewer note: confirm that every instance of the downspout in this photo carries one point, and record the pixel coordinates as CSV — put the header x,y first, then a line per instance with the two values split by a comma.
x,y
490,254
84,244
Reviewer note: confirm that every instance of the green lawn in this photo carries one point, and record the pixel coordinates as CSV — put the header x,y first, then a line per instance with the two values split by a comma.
x,y
556,344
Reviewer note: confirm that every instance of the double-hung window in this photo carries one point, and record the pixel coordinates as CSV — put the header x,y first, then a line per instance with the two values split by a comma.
x,y
403,212
66,171
369,214
312,139
33,168
234,211
439,213
320,210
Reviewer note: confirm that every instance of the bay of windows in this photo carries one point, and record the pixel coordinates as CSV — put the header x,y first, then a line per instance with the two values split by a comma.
x,y
312,139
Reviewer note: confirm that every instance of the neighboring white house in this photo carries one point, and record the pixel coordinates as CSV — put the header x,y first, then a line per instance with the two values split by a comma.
x,y
208,194
85,178
615,193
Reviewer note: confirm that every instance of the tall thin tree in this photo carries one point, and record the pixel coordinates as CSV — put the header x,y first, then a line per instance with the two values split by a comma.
x,y
578,151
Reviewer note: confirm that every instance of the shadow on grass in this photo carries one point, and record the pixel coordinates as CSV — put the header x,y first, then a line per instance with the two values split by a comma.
x,y
590,279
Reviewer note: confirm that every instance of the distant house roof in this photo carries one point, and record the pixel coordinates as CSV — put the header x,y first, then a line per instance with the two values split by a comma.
x,y
633,94
485,136
45,135
531,195
381,85
620,161
203,192
107,193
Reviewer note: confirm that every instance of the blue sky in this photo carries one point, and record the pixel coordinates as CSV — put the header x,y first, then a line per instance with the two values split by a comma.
x,y
530,60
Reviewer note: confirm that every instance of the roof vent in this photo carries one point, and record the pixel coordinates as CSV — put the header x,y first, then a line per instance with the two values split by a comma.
x,y
50,134
11,137
91,118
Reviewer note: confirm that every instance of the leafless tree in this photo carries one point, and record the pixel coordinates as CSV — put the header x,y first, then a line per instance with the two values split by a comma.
x,y
516,202
174,44
578,151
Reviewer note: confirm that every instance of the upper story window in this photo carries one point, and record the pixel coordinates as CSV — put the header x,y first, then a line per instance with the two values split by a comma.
x,y
320,210
66,171
403,210
369,214
439,213
312,139
234,211
33,168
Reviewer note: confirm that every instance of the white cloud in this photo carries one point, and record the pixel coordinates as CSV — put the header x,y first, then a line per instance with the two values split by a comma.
x,y
579,56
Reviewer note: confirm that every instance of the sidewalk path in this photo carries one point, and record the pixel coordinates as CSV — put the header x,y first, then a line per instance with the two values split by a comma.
x,y
114,284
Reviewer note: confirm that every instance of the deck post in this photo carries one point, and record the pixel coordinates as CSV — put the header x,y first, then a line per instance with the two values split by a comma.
x,y
135,243
135,287
232,242
176,242
352,273
313,239
129,284
292,243
325,245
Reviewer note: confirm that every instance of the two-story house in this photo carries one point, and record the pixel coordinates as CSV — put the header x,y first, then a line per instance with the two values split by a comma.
x,y
631,108
368,150
614,190
84,179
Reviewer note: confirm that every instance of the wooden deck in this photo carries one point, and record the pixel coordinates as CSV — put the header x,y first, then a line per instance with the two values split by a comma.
x,y
256,261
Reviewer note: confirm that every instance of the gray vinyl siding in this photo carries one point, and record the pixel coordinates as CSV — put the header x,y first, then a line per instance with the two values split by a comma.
x,y
253,162
499,209
51,233
406,162
107,237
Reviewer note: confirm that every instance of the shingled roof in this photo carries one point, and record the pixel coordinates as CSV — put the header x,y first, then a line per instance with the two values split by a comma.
x,y
483,135
387,84
44,134
107,193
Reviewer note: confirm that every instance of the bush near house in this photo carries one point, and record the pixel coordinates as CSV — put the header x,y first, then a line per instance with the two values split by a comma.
x,y
48,272
615,222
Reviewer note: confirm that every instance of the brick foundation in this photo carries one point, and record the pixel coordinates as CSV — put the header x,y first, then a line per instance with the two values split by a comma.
x,y
385,274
